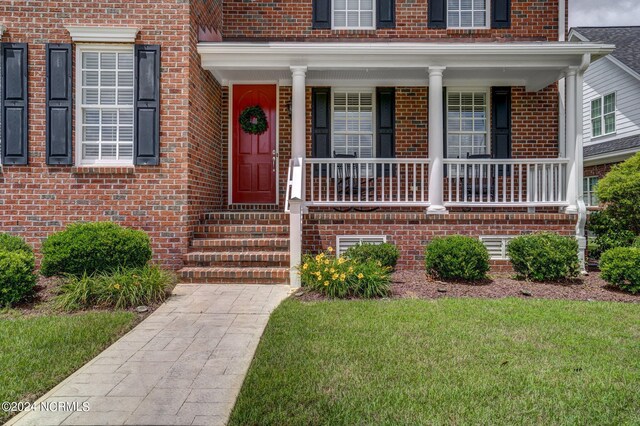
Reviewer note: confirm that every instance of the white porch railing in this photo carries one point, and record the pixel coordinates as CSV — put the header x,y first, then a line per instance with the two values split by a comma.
x,y
514,182
373,182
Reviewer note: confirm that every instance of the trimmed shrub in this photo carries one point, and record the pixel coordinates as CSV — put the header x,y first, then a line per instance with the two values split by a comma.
x,y
344,277
17,280
121,289
620,191
88,248
386,253
457,257
544,257
636,242
621,268
12,243
609,233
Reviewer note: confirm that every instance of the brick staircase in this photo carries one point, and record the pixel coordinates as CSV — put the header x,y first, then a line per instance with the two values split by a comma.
x,y
239,247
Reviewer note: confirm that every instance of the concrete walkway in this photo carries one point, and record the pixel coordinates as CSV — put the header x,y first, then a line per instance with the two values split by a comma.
x,y
182,365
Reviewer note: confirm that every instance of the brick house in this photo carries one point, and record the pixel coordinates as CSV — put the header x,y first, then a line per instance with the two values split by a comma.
x,y
383,120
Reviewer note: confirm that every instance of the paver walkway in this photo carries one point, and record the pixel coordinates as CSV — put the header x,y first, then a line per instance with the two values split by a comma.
x,y
182,365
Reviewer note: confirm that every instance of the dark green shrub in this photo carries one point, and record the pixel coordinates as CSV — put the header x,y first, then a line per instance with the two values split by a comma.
x,y
619,190
12,243
94,247
457,257
544,257
344,277
120,289
17,280
621,268
636,242
609,233
387,254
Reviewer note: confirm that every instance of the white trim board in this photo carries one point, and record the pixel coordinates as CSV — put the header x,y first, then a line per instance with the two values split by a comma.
x,y
103,34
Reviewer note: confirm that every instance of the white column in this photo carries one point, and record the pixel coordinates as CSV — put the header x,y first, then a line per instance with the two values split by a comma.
x,y
579,160
436,141
572,131
298,112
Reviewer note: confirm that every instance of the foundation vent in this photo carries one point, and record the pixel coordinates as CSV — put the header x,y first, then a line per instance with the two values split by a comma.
x,y
496,246
343,242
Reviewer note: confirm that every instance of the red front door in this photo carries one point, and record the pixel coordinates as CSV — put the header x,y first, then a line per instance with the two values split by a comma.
x,y
254,170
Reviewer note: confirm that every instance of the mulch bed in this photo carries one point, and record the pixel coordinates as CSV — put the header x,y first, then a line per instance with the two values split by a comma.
x,y
417,285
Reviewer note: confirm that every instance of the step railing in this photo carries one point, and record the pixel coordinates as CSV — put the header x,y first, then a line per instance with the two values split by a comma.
x,y
513,182
370,182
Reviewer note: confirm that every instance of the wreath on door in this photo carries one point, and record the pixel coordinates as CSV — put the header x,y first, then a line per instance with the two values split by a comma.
x,y
253,120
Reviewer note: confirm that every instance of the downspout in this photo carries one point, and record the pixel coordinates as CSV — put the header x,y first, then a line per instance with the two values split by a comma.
x,y
581,234
562,132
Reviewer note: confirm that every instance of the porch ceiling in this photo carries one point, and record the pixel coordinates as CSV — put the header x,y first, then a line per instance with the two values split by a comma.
x,y
534,65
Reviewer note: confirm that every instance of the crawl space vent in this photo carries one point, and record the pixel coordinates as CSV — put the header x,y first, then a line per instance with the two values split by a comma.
x,y
343,242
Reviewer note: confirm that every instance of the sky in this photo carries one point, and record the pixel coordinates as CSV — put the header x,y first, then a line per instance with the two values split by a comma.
x,y
601,13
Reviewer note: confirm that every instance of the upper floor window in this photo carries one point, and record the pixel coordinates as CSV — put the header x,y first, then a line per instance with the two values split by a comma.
x,y
353,128
467,13
603,115
105,105
353,14
467,128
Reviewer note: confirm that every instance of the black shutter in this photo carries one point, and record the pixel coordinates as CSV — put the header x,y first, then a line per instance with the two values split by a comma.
x,y
14,103
146,141
501,124
437,13
501,14
321,124
386,14
322,14
385,125
59,104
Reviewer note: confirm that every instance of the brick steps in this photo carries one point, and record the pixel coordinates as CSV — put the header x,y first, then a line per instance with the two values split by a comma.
x,y
239,247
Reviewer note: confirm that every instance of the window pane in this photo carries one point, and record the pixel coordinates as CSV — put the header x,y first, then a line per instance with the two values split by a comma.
x,y
610,123
90,78
353,13
596,127
596,108
90,60
353,123
609,103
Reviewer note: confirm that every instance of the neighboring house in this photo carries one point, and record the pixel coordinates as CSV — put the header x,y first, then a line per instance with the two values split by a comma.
x,y
240,134
611,103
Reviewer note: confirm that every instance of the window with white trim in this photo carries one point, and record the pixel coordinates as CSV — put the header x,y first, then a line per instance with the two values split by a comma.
x,y
603,115
353,127
353,14
467,127
105,105
589,191
467,13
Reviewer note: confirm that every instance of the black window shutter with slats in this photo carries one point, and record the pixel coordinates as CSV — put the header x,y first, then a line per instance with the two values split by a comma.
x,y
386,14
59,104
147,105
14,101
385,125
501,124
437,11
321,14
500,13
321,124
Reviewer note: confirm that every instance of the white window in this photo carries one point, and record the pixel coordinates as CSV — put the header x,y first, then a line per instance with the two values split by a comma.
x,y
589,191
353,14
467,13
104,81
467,128
353,127
603,115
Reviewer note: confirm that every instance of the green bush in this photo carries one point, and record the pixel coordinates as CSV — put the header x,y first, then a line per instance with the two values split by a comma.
x,y
12,243
344,277
17,280
636,242
544,257
621,268
387,254
619,190
93,248
120,289
458,258
609,233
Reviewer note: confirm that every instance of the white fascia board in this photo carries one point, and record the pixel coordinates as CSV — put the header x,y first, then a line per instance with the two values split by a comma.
x,y
103,34
610,157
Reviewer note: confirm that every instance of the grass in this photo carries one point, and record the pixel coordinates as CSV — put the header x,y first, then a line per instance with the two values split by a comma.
x,y
38,352
448,361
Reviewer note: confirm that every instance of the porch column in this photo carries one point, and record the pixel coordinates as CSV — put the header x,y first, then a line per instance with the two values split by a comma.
x,y
436,141
572,132
298,112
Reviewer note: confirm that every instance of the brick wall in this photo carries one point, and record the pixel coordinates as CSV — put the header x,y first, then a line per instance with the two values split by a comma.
x,y
599,171
37,199
412,231
291,20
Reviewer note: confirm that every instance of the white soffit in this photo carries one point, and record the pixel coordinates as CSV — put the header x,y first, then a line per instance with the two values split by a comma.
x,y
103,34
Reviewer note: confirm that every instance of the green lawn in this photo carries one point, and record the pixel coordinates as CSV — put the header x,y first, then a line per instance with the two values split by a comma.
x,y
450,361
38,352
